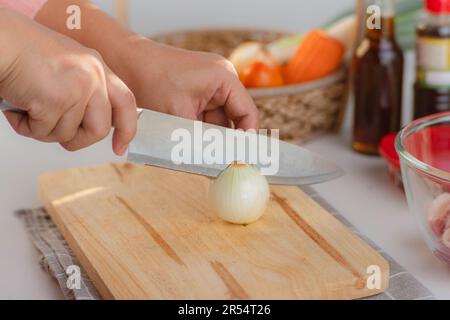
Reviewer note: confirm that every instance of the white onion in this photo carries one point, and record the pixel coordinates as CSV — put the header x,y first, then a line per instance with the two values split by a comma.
x,y
247,53
240,194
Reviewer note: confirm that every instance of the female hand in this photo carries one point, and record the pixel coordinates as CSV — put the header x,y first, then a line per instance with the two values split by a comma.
x,y
195,85
70,96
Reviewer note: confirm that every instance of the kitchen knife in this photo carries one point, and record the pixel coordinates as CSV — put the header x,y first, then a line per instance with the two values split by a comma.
x,y
154,145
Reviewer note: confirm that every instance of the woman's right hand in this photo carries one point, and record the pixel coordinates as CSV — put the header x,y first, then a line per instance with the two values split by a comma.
x,y
69,94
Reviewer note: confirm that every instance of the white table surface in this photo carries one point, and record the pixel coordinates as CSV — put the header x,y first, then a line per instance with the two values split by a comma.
x,y
364,196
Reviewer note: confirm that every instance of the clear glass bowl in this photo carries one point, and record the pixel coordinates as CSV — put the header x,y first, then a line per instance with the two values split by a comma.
x,y
424,150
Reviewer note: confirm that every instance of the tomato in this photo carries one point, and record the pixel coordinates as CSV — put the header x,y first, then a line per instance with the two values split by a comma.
x,y
261,75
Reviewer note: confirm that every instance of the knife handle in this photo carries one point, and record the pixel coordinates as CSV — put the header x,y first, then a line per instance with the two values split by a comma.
x,y
8,106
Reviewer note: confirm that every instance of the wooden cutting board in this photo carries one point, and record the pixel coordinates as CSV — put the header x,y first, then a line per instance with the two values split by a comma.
x,y
147,233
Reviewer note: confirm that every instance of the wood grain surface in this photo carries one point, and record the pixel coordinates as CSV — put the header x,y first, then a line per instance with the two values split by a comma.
x,y
147,233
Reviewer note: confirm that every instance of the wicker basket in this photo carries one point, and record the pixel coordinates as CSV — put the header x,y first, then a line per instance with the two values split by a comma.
x,y
299,111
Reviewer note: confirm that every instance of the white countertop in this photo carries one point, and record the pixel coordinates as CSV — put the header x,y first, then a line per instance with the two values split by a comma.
x,y
364,195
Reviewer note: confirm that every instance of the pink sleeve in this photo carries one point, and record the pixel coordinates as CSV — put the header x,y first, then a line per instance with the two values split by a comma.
x,y
27,7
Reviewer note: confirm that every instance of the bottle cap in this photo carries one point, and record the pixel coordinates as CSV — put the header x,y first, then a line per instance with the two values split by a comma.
x,y
438,6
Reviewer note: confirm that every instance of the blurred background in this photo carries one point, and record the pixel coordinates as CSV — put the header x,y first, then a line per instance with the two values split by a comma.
x,y
149,17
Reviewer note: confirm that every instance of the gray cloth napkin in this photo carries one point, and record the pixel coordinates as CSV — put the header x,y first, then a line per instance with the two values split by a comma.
x,y
57,257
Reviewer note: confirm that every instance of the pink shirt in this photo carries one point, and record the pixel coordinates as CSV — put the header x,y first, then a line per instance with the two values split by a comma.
x,y
27,7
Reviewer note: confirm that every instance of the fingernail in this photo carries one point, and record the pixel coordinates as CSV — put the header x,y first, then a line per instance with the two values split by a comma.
x,y
120,151
123,149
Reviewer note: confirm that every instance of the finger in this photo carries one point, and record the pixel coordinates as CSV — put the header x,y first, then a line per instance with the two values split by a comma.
x,y
67,127
217,117
26,125
124,115
19,122
201,117
179,107
43,117
96,123
239,106
183,108
64,130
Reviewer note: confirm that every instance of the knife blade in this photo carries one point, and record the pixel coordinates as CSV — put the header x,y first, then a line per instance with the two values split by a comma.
x,y
154,145
156,140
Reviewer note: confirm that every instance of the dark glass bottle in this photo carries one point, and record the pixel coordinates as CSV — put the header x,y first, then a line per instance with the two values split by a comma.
x,y
432,87
377,80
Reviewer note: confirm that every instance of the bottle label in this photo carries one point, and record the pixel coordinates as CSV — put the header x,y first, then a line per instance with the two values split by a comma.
x,y
433,62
